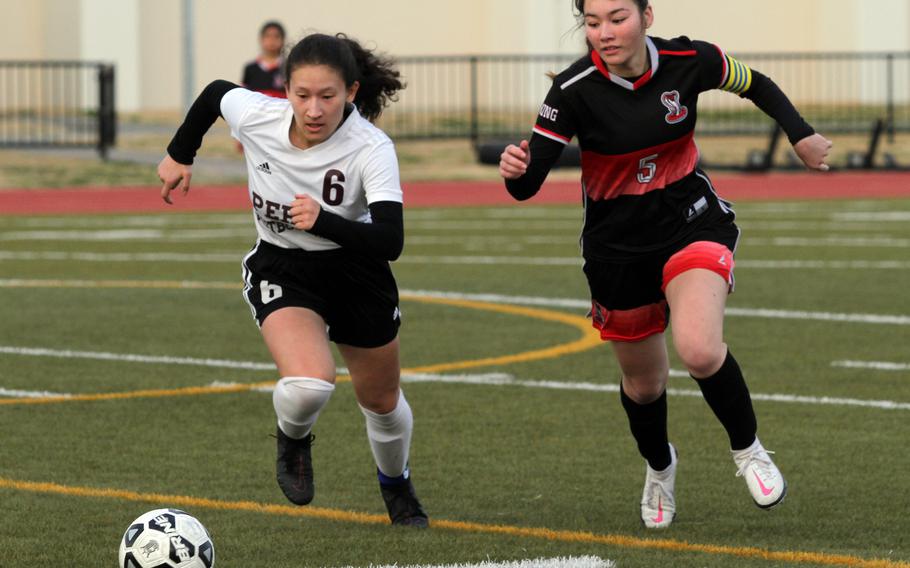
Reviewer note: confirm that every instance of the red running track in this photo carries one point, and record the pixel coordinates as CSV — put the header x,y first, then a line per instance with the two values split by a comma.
x,y
740,187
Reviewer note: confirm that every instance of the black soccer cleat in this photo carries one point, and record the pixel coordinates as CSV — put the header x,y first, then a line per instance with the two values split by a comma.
x,y
294,467
403,506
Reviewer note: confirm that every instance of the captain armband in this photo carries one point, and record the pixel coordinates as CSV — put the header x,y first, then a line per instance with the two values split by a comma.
x,y
738,76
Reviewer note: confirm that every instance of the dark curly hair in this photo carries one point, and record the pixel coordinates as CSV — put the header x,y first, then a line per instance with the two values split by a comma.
x,y
379,80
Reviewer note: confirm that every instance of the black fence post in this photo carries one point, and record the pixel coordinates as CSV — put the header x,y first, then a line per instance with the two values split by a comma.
x,y
475,118
107,116
890,109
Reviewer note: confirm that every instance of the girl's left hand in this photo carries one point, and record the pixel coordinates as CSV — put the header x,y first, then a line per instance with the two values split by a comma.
x,y
813,151
304,211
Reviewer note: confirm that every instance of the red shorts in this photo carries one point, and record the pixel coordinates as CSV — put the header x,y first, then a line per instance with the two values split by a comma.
x,y
628,302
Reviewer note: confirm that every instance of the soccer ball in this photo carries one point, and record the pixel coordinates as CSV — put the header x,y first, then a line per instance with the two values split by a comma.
x,y
166,538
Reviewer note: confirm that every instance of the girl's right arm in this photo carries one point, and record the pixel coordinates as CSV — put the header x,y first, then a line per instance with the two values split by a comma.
x,y
175,169
525,166
524,176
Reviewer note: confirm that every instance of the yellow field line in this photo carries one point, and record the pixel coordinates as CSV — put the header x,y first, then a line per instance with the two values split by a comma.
x,y
589,339
615,540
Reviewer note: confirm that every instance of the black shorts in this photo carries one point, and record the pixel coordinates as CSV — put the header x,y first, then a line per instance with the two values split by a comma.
x,y
627,296
356,295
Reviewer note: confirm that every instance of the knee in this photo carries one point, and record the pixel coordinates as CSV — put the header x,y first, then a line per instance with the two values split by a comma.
x,y
644,389
379,401
301,396
701,358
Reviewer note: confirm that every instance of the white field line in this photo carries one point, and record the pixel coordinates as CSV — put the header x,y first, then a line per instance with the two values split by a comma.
x,y
146,221
468,225
14,393
566,562
487,379
751,227
506,380
881,319
492,260
873,365
737,312
832,241
876,216
231,258
498,240
134,358
115,235
122,256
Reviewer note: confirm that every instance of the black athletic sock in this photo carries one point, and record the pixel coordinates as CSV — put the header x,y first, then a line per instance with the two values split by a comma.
x,y
728,396
648,423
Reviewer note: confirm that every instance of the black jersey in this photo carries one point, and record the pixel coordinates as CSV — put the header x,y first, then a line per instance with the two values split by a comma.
x,y
642,189
263,78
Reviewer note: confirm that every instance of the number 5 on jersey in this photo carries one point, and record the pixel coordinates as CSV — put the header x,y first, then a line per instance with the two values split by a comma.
x,y
647,168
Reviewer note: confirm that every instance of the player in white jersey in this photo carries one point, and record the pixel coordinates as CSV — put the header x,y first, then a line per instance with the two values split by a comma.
x,y
327,202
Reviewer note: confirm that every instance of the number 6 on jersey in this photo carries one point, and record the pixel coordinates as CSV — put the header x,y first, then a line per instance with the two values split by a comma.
x,y
332,190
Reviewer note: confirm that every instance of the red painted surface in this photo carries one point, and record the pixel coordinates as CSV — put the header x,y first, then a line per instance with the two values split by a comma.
x,y
737,187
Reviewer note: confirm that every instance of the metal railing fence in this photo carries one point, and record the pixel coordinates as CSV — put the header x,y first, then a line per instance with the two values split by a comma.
x,y
497,96
57,104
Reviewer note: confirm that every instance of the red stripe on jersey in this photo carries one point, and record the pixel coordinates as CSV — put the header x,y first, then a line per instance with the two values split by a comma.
x,y
642,80
274,93
607,176
599,63
723,58
688,53
551,133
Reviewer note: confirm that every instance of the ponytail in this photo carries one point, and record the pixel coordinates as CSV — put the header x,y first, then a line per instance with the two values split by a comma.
x,y
379,80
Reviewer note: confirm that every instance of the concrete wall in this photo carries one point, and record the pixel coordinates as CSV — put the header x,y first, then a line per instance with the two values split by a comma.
x,y
144,37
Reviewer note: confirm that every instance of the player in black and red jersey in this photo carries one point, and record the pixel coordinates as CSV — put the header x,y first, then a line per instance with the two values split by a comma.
x,y
266,73
657,240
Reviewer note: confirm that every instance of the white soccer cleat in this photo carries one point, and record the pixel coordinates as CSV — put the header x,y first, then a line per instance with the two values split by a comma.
x,y
764,480
658,500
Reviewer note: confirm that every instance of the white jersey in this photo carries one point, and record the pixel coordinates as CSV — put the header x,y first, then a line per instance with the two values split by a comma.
x,y
354,167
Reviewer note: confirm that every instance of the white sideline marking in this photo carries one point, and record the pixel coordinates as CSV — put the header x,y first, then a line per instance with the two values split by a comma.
x,y
493,260
507,380
133,358
567,562
530,301
231,258
739,312
126,235
122,256
14,393
146,221
875,365
867,242
877,216
495,225
488,379
826,264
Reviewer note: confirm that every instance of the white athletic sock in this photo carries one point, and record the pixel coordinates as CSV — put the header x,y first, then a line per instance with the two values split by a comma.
x,y
298,401
390,437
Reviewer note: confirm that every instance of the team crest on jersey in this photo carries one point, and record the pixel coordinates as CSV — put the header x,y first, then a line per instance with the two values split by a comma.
x,y
676,111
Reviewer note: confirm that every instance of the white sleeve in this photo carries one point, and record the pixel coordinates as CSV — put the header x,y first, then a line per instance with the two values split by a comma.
x,y
381,181
235,107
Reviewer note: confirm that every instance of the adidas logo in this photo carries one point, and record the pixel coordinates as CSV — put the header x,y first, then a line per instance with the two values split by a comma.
x,y
264,167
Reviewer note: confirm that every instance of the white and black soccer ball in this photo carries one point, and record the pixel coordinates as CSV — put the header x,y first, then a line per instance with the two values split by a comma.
x,y
166,538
